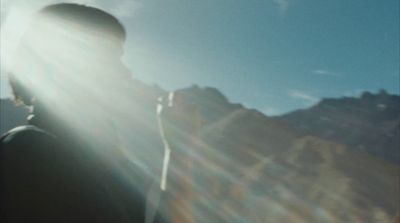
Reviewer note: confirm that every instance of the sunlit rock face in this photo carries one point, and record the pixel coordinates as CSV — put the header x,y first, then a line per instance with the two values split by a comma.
x,y
252,168
369,123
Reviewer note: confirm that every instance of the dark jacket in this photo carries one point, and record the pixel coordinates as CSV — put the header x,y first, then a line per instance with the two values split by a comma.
x,y
47,175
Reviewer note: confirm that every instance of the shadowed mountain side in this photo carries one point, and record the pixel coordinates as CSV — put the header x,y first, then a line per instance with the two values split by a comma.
x,y
262,134
275,173
335,178
370,123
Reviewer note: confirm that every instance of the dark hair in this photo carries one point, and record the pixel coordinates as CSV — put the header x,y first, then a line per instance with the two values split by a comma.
x,y
86,16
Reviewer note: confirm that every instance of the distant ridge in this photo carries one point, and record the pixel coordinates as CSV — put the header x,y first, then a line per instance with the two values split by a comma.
x,y
369,123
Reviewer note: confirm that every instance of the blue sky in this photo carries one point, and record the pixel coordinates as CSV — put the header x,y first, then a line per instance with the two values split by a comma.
x,y
273,55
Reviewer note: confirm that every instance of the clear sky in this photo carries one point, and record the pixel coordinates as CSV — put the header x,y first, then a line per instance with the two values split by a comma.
x,y
273,55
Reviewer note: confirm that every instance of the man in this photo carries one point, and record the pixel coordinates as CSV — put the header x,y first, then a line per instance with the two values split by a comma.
x,y
75,161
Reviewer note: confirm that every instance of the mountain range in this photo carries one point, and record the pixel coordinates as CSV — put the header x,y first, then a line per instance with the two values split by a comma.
x,y
369,123
334,162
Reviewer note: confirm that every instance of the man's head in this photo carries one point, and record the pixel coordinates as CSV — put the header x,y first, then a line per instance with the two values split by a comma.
x,y
89,18
68,49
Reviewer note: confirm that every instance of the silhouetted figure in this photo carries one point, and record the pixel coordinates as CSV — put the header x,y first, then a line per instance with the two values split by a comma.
x,y
70,164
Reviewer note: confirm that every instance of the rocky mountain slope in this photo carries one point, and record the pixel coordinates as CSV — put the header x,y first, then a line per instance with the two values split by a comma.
x,y
271,170
369,123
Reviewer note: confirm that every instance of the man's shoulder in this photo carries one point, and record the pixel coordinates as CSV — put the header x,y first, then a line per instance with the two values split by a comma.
x,y
27,135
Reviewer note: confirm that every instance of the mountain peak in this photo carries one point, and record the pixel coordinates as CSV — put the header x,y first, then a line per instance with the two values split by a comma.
x,y
212,103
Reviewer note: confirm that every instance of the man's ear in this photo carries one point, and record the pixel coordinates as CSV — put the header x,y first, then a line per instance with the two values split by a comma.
x,y
20,92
